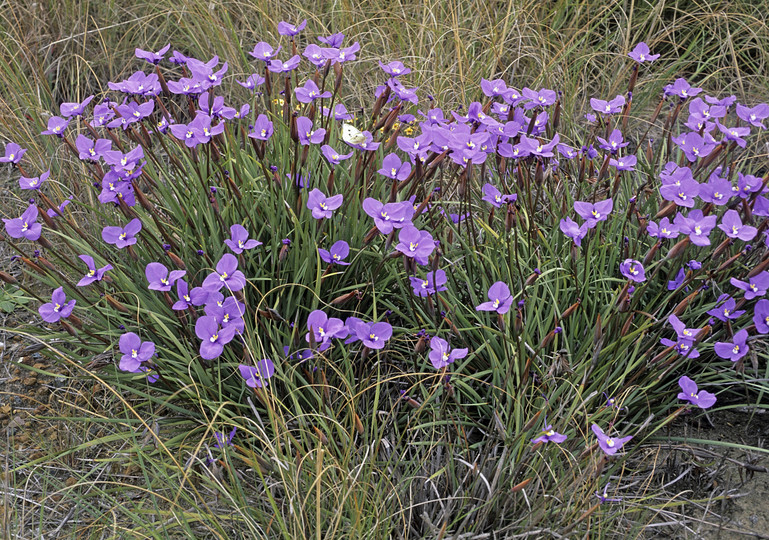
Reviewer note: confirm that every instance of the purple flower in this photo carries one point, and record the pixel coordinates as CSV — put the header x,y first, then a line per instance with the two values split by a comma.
x,y
604,497
213,338
91,150
252,81
625,163
263,128
152,57
135,352
69,110
288,29
734,134
608,107
681,330
717,190
340,112
25,226
697,226
322,206
755,286
393,168
735,349
732,226
336,255
682,347
324,328
57,308
13,153
570,228
542,98
633,270
159,277
761,316
664,230
415,244
264,51
441,355
227,313
256,376
682,89
396,69
373,335
306,134
753,116
334,157
593,213
56,126
703,399
726,311
226,275
239,240
433,282
609,445
185,300
334,40
549,435
500,299
221,441
694,145
642,54
679,279
614,142
278,66
747,184
93,274
122,236
310,92
389,216
493,196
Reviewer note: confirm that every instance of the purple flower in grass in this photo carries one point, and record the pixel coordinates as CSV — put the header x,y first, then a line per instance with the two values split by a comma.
x,y
288,29
441,355
102,114
278,66
393,168
306,134
500,299
755,286
694,145
222,440
122,236
549,435
682,89
226,275
252,82
690,393
570,228
389,216
33,183
25,226
494,197
641,53
93,274
716,190
432,283
57,308
228,312
604,497
90,150
683,347
726,311
613,106
593,213
56,126
697,226
732,226
322,206
681,330
13,153
415,244
152,57
665,229
183,292
310,92
334,40
734,134
213,339
396,69
624,163
324,328
747,184
315,55
135,352
633,270
735,349
334,157
256,376
159,278
373,335
239,240
264,51
68,110
754,115
761,316
679,279
336,255
263,128
614,142
609,445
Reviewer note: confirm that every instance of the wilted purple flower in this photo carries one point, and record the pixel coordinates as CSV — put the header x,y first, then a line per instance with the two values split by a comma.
x,y
263,128
310,92
682,89
755,286
222,441
593,213
213,339
57,308
239,240
322,206
372,335
415,244
754,115
306,134
703,399
336,255
570,228
33,183
608,107
500,299
152,57
226,275
394,169
735,349
135,352
732,226
13,153
288,29
256,376
390,215
159,278
726,311
641,53
549,435
56,126
25,226
433,282
441,355
697,226
264,51
609,445
69,110
122,236
604,497
633,270
334,157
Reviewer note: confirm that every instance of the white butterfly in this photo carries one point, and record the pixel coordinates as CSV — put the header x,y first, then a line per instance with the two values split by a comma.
x,y
352,135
